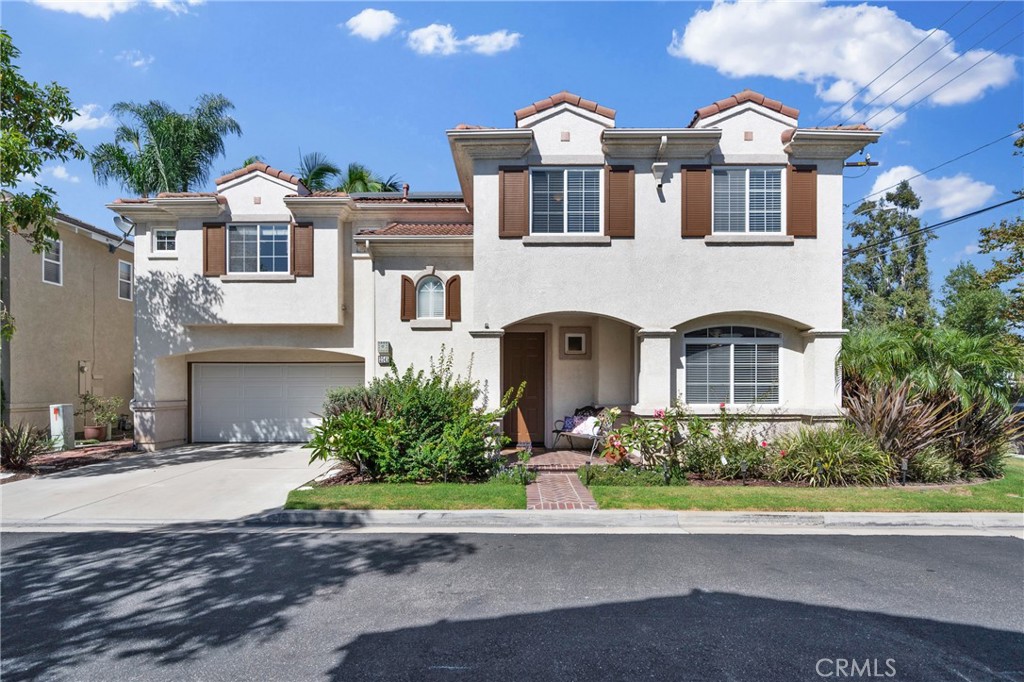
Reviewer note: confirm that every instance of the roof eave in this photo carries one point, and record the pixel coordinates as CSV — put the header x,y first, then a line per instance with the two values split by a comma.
x,y
829,144
647,142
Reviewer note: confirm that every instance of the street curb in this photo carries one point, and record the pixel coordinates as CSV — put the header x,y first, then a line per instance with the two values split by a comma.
x,y
510,519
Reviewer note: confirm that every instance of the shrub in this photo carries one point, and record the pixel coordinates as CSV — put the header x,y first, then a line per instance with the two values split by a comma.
x,y
826,456
933,466
984,434
631,476
720,449
413,426
513,475
18,445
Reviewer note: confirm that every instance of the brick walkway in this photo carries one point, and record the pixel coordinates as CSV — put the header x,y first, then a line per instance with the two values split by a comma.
x,y
555,490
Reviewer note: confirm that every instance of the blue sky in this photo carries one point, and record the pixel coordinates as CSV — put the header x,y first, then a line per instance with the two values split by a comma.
x,y
382,86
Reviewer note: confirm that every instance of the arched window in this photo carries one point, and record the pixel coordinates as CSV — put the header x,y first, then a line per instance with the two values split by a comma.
x,y
429,298
733,365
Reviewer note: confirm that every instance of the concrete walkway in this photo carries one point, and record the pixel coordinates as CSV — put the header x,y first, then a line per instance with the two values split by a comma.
x,y
190,483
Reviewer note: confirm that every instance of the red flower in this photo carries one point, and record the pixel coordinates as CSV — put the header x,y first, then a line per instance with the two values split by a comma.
x,y
721,406
764,444
782,453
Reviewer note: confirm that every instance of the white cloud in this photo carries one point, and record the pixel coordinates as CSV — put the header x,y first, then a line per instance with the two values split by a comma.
x,y
59,173
840,49
493,43
136,59
950,196
372,24
89,117
106,9
434,39
440,39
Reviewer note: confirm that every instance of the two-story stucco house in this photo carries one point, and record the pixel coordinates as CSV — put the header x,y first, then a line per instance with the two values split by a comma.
x,y
73,306
602,265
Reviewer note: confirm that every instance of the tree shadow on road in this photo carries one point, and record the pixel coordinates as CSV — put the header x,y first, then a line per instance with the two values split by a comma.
x,y
169,597
702,636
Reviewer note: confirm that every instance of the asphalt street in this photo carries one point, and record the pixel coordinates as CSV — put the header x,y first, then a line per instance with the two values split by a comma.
x,y
281,604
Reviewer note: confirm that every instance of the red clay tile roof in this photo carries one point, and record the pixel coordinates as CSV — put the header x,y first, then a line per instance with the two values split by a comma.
x,y
131,200
423,230
263,168
411,199
788,133
739,98
564,97
173,195
470,126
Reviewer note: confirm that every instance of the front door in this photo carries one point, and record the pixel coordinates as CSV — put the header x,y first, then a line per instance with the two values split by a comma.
x,y
524,361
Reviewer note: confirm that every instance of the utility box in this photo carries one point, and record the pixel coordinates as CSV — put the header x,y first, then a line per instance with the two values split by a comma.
x,y
62,426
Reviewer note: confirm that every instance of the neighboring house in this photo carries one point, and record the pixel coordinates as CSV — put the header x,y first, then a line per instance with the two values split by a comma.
x,y
74,316
603,265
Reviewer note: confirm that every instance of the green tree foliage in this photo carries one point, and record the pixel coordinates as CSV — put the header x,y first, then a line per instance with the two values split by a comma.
x,y
157,149
32,118
317,171
359,178
971,304
1007,240
887,281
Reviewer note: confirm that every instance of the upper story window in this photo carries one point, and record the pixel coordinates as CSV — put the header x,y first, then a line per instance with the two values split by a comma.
x,y
124,280
165,241
430,298
747,199
732,364
257,248
565,201
53,263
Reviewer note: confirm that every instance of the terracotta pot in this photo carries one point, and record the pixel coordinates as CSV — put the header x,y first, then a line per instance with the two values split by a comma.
x,y
95,433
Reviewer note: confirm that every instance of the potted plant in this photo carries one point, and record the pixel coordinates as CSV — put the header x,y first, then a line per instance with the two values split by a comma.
x,y
99,413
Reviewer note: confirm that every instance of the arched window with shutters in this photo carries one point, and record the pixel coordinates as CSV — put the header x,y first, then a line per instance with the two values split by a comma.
x,y
736,365
430,298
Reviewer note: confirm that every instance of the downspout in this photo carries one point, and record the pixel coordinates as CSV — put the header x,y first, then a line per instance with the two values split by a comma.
x,y
5,345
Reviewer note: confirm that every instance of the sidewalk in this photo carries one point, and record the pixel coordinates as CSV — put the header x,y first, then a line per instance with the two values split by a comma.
x,y
519,521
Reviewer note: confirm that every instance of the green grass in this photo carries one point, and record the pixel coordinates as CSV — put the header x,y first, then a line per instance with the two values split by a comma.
x,y
1003,495
410,496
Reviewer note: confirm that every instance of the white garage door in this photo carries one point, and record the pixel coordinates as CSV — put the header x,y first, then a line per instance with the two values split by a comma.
x,y
268,403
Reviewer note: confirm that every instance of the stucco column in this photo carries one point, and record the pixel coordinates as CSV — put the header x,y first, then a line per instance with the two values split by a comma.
x,y
654,382
822,389
487,364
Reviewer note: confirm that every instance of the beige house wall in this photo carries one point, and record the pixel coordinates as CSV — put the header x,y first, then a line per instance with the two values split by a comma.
x,y
80,324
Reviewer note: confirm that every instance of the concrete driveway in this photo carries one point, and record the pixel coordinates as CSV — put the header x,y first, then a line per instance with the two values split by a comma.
x,y
189,483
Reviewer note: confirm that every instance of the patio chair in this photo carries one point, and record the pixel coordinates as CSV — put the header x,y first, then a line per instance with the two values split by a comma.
x,y
567,428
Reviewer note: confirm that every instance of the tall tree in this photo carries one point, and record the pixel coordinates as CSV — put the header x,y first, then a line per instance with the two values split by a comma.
x,y
1007,241
972,305
157,149
31,119
887,279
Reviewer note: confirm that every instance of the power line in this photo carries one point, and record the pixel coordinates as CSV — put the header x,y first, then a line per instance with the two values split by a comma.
x,y
888,68
926,60
930,228
946,66
995,51
944,163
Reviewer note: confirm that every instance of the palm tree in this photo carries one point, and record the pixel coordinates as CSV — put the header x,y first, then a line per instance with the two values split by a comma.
x,y
316,170
163,150
359,178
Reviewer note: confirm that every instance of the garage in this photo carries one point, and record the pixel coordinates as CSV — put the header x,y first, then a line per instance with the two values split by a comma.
x,y
263,402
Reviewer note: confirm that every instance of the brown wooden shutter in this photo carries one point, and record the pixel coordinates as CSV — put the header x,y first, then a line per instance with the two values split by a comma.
x,y
620,201
696,182
302,249
453,298
802,201
215,249
513,202
408,299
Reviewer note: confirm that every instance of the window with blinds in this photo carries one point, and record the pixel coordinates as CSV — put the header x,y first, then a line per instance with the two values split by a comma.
x,y
747,199
53,263
565,201
430,298
733,365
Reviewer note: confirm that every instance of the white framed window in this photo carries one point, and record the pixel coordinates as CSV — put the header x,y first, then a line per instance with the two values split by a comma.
x,y
53,263
565,200
747,199
125,280
258,248
736,365
165,240
430,298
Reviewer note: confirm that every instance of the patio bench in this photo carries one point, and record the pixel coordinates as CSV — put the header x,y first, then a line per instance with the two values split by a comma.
x,y
578,426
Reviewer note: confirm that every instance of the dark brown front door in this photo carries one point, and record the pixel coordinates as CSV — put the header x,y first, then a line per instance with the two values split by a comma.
x,y
524,361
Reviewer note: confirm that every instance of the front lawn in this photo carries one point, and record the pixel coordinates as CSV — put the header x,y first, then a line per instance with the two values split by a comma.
x,y
1003,495
410,496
